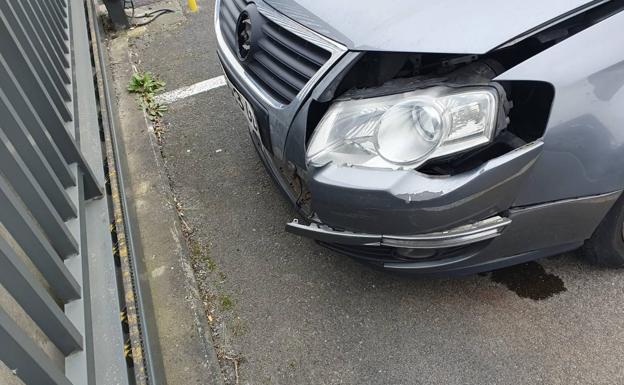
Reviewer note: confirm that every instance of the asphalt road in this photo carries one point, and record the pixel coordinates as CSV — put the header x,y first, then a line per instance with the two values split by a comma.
x,y
296,313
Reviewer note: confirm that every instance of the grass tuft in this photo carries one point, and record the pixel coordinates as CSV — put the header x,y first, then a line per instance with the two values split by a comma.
x,y
145,84
226,302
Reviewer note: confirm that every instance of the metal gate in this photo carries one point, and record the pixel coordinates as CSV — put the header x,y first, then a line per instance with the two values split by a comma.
x,y
59,302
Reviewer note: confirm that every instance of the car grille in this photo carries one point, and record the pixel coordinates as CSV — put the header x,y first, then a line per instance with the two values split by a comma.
x,y
282,63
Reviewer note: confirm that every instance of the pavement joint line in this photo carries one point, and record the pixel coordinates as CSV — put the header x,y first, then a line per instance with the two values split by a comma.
x,y
193,89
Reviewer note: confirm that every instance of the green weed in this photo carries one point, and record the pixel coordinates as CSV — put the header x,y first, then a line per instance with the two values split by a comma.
x,y
145,84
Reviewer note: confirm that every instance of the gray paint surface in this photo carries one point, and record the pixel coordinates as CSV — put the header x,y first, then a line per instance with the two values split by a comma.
x,y
446,26
584,140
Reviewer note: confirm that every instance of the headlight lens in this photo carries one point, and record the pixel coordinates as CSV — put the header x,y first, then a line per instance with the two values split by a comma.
x,y
408,132
404,130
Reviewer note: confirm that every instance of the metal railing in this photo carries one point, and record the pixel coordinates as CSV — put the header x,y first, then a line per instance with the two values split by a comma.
x,y
59,304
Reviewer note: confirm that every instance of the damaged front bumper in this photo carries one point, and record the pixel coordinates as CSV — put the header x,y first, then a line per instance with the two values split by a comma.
x,y
524,234
469,226
408,202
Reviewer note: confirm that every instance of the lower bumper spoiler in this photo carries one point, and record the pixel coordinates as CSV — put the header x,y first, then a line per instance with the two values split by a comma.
x,y
459,236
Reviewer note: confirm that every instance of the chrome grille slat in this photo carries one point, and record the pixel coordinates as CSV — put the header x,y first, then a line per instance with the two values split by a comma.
x,y
232,12
280,90
275,50
294,44
230,20
293,79
240,4
282,63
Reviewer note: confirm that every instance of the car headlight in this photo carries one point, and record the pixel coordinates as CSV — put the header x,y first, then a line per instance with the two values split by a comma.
x,y
404,130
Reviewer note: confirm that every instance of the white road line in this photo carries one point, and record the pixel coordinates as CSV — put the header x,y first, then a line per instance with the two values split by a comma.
x,y
194,89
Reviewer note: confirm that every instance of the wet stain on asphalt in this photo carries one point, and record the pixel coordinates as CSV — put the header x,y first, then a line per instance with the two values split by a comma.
x,y
529,280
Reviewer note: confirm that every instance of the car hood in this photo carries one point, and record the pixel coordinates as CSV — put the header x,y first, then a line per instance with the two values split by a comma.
x,y
442,26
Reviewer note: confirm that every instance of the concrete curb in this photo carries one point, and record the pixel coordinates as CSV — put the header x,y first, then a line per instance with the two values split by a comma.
x,y
187,350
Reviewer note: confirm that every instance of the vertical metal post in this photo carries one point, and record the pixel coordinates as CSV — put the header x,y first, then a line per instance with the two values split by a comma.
x,y
117,13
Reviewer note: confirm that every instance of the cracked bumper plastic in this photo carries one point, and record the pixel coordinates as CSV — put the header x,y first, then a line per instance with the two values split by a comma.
x,y
405,202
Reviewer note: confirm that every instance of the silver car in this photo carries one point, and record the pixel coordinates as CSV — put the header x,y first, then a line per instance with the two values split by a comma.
x,y
446,137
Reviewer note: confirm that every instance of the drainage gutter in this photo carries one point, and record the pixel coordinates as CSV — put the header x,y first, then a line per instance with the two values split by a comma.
x,y
142,348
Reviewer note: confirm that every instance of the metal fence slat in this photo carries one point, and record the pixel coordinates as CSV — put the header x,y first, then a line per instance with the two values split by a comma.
x,y
62,19
55,86
59,33
57,54
36,302
61,5
39,40
56,43
33,196
23,70
17,221
32,156
20,354
57,19
61,136
26,64
34,125
60,62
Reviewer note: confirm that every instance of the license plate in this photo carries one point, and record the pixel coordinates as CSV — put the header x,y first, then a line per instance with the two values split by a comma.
x,y
246,107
